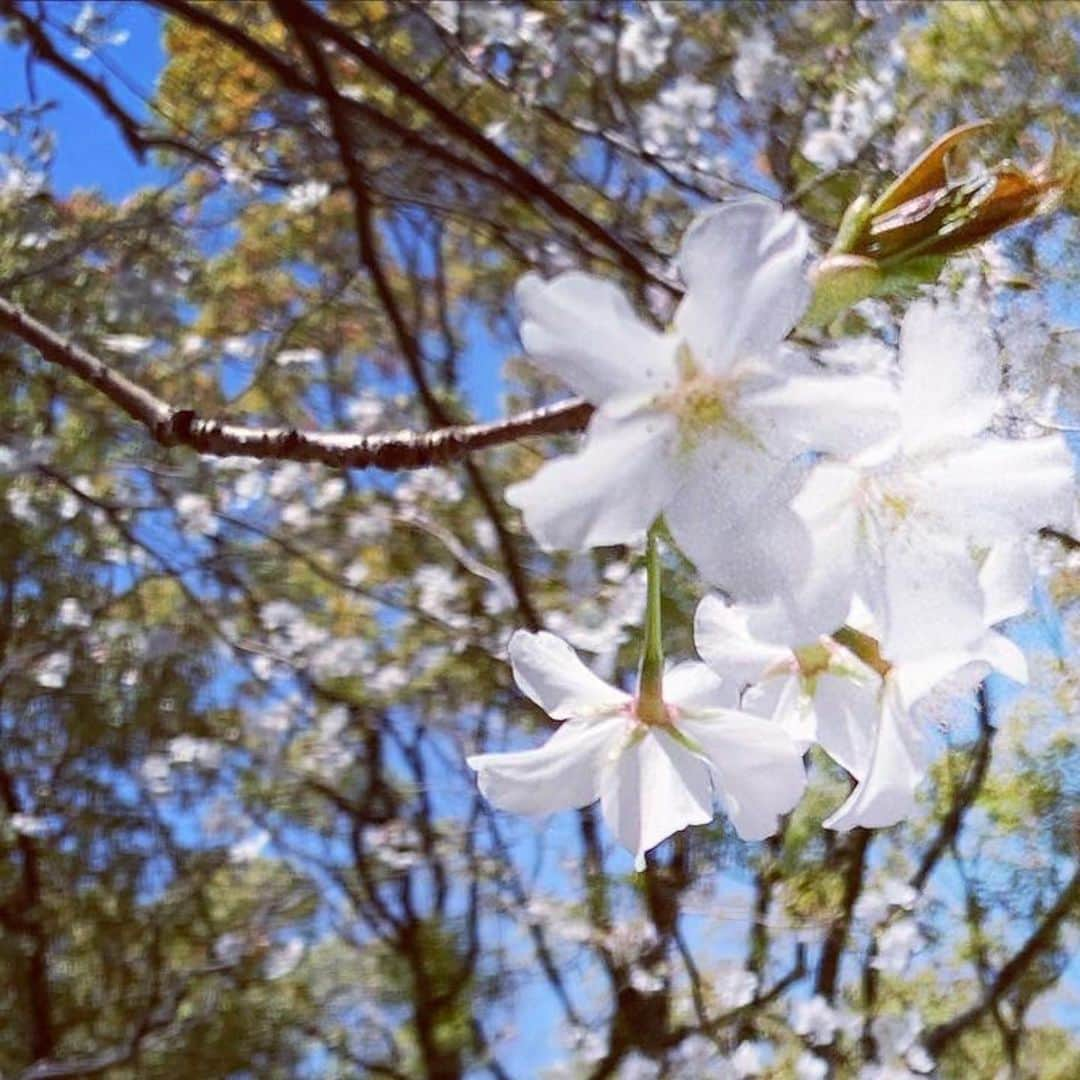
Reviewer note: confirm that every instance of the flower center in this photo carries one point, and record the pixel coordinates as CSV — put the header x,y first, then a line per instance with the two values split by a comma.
x,y
702,403
813,659
896,507
889,494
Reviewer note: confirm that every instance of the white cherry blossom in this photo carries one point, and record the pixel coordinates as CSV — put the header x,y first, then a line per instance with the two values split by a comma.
x,y
644,41
900,1054
896,767
811,1067
896,944
749,1059
820,692
28,825
910,524
756,60
854,115
815,1019
52,671
861,716
652,779
704,424
875,904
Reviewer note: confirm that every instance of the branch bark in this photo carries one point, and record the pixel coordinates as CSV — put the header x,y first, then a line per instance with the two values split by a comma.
x,y
139,139
502,169
295,15
828,972
295,81
173,426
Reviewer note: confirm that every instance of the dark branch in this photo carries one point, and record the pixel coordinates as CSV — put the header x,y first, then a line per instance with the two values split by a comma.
x,y
1067,541
504,171
856,845
172,426
964,796
294,14
295,81
527,183
1041,940
138,142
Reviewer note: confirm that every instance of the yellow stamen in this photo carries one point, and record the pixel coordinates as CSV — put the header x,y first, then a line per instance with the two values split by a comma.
x,y
702,403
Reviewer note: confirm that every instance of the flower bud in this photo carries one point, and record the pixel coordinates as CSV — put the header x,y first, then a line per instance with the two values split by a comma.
x,y
926,214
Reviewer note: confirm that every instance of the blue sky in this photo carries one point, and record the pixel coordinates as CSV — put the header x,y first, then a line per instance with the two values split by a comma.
x,y
90,151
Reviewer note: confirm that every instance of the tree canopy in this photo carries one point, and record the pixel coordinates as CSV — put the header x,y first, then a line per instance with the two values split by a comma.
x,y
258,572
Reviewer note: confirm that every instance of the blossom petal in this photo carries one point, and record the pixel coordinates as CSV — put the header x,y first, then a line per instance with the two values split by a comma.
x,y
821,597
1007,579
653,789
743,266
950,375
786,702
846,710
731,518
886,794
692,686
914,679
563,774
724,641
833,414
931,600
550,673
584,330
608,493
1001,488
758,770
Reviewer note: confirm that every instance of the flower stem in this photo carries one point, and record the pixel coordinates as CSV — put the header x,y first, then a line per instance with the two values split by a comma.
x,y
650,707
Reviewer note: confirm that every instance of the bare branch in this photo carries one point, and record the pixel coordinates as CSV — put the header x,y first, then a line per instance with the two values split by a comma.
x,y
855,849
1041,940
295,81
527,182
964,796
504,171
172,426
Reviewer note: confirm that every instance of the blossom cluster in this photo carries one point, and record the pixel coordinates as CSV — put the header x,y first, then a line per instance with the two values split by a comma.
x,y
863,533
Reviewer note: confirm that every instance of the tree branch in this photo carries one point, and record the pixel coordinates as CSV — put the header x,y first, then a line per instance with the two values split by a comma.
x,y
172,426
1040,941
525,183
505,171
295,81
528,183
42,1035
1067,541
856,845
965,795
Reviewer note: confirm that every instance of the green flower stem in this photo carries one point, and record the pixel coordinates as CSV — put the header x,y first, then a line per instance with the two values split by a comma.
x,y
650,680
